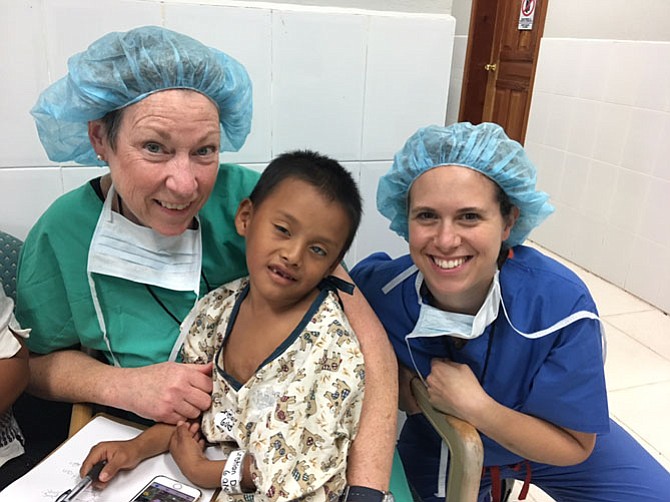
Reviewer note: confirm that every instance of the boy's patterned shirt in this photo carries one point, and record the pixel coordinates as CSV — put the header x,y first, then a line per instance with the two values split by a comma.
x,y
298,413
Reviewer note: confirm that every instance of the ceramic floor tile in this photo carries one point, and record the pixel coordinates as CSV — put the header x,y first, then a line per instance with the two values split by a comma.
x,y
651,328
629,363
664,460
645,411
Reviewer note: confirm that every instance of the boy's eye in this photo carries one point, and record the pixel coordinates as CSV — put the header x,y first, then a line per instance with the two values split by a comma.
x,y
282,230
319,250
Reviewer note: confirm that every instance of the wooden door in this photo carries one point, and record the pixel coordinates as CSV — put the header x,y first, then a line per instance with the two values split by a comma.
x,y
500,64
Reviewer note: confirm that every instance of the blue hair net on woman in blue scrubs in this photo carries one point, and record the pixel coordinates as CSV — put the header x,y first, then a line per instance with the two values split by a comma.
x,y
120,69
484,148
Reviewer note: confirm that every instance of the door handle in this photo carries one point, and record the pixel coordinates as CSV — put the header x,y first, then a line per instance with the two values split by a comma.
x,y
490,67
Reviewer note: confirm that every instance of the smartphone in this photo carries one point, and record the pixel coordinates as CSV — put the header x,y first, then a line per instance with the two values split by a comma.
x,y
164,489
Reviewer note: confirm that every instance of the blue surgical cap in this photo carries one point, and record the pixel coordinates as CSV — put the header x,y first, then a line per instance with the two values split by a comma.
x,y
120,69
484,148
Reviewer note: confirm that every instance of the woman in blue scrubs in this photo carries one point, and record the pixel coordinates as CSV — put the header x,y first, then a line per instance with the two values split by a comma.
x,y
504,337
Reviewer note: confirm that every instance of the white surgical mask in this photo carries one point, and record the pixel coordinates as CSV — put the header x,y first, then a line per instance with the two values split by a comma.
x,y
123,249
433,322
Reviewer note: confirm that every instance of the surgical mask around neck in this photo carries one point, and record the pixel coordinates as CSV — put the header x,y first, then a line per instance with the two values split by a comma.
x,y
436,322
120,248
123,249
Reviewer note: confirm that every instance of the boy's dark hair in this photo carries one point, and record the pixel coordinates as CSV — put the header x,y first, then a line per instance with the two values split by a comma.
x,y
327,175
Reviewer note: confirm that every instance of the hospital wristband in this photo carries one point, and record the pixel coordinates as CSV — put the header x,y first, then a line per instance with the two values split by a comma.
x,y
231,477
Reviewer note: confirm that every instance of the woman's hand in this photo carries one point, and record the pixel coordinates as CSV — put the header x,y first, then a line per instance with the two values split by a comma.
x,y
454,389
167,392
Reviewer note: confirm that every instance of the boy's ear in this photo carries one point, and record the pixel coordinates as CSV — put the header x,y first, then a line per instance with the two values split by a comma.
x,y
243,216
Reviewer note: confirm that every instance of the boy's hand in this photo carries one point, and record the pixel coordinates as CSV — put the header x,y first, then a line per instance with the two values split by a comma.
x,y
120,455
187,447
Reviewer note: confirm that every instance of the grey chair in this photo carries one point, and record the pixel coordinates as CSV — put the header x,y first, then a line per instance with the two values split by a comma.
x,y
30,410
10,247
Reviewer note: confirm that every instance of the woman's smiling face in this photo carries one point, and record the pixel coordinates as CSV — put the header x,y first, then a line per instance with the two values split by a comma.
x,y
165,158
456,230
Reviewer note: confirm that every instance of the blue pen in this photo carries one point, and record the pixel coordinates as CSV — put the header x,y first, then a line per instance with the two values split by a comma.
x,y
92,475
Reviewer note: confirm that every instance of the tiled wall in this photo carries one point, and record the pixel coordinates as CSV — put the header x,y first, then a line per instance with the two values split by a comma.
x,y
352,85
599,132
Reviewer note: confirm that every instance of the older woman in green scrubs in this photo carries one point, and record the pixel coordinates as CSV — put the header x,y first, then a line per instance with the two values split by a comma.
x,y
117,264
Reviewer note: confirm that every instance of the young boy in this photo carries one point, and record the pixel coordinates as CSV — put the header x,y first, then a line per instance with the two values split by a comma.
x,y
288,372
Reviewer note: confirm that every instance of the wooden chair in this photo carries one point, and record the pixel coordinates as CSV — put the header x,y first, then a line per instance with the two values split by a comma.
x,y
82,413
466,452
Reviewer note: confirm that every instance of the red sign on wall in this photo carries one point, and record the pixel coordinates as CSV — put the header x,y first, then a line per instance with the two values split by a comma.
x,y
527,14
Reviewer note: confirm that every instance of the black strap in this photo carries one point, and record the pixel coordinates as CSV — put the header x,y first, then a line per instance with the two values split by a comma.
x,y
362,494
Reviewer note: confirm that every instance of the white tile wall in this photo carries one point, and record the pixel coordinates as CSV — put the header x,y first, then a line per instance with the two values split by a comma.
x,y
599,132
352,84
559,118
71,25
23,78
397,69
24,194
374,227
643,134
318,82
246,35
457,72
599,189
74,177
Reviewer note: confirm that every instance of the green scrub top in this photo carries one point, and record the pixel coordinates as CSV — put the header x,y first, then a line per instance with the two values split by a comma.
x,y
53,294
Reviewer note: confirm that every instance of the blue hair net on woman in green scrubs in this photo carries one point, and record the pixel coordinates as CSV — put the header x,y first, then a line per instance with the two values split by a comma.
x,y
122,68
484,148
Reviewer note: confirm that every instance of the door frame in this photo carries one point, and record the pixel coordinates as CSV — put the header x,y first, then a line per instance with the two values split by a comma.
x,y
484,35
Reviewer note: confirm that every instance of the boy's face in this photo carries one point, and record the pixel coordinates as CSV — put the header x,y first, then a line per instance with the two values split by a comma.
x,y
294,239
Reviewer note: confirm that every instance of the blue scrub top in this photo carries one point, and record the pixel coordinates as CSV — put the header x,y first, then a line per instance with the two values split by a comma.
x,y
558,377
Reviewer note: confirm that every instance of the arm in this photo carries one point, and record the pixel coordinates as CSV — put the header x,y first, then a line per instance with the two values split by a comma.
x,y
454,389
186,447
371,455
13,377
125,455
165,392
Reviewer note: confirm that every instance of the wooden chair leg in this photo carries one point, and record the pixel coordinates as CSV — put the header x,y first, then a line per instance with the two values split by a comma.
x,y
465,448
81,415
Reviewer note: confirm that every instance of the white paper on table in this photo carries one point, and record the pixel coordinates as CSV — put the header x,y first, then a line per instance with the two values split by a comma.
x,y
60,470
